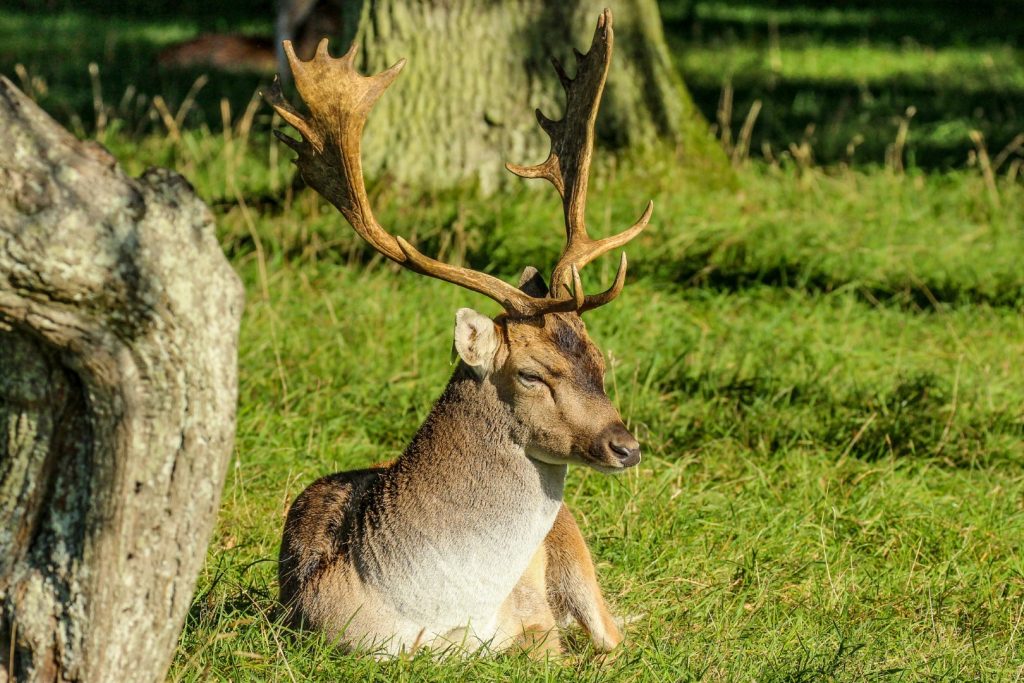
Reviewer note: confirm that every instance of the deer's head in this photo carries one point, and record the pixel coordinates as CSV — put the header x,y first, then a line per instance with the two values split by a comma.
x,y
551,375
537,354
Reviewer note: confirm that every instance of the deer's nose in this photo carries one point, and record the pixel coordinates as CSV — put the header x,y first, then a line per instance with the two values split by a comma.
x,y
625,447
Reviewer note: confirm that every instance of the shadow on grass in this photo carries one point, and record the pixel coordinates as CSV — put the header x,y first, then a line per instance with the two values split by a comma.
x,y
844,108
932,22
56,40
224,13
856,123
232,595
909,419
902,289
49,55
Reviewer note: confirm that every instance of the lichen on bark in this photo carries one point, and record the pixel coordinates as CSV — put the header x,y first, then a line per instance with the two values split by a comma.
x,y
118,349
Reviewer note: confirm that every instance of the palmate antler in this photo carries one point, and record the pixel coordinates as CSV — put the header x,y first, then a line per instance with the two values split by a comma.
x,y
568,164
329,158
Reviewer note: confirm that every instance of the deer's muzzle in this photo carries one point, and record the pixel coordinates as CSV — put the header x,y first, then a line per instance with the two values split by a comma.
x,y
615,448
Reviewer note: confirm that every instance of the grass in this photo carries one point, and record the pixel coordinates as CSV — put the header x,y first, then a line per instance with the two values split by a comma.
x,y
843,77
823,365
832,484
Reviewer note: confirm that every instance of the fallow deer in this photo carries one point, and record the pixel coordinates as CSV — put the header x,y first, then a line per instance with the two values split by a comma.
x,y
464,541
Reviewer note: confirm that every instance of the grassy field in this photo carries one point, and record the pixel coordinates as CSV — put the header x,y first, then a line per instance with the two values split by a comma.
x,y
832,483
823,365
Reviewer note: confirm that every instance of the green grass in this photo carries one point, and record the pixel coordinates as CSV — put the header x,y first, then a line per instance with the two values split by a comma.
x,y
823,364
823,368
842,76
830,486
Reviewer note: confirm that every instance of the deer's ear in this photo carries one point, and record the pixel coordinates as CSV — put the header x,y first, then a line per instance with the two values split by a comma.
x,y
532,282
476,340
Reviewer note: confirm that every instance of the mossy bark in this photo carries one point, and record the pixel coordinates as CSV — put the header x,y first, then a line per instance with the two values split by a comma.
x,y
118,333
464,104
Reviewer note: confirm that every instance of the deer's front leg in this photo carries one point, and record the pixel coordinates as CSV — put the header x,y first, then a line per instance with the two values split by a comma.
x,y
573,592
526,619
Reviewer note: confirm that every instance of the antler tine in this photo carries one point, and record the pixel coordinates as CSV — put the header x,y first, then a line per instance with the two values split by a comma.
x,y
339,101
329,159
604,297
567,166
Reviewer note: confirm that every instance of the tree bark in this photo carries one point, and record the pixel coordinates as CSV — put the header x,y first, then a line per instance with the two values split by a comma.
x,y
464,104
119,318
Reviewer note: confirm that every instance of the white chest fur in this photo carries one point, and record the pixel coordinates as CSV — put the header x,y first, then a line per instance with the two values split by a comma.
x,y
453,573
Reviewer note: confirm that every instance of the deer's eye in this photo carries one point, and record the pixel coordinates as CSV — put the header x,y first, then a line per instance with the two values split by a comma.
x,y
529,379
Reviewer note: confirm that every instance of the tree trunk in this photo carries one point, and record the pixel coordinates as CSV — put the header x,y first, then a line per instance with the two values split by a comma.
x,y
464,104
118,332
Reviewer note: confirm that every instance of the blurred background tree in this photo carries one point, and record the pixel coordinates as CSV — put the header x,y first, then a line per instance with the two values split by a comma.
x,y
465,102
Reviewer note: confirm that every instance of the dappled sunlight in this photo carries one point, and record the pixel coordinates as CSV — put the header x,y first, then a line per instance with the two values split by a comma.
x,y
819,352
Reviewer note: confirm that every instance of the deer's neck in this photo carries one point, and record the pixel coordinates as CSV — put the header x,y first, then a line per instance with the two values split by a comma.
x,y
458,518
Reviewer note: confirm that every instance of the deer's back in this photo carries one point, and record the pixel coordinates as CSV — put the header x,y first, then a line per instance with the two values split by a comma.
x,y
317,534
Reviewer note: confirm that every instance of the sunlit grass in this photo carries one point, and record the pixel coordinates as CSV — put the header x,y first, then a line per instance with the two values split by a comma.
x,y
823,364
831,487
972,69
821,367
